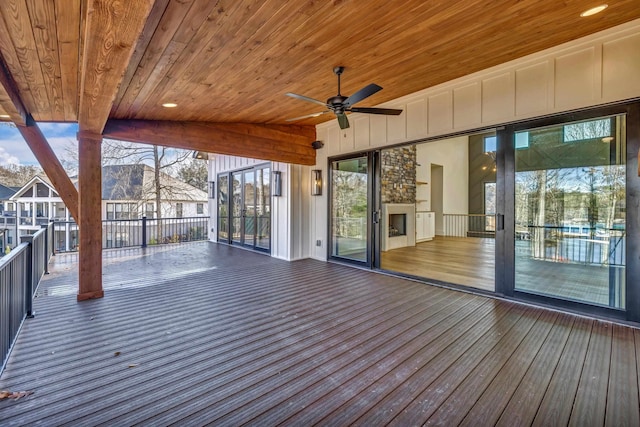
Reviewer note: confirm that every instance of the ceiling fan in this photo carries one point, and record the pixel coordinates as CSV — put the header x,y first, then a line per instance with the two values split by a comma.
x,y
340,105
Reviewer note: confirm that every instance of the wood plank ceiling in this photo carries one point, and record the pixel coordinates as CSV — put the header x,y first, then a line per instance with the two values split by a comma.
x,y
230,61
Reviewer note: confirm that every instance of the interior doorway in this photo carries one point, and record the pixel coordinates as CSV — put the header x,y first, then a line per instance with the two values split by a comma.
x,y
437,190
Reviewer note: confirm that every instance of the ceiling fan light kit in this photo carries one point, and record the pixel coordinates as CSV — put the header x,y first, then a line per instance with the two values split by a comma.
x,y
340,105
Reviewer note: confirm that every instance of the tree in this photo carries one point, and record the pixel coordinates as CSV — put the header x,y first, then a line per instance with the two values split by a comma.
x,y
164,160
17,175
193,172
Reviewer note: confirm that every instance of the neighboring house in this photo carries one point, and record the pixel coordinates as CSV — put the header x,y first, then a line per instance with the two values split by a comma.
x,y
7,224
127,192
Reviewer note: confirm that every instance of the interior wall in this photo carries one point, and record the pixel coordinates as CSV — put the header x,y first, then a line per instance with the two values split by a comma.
x,y
452,155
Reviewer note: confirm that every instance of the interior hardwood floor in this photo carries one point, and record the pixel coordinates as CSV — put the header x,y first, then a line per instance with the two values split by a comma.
x,y
471,262
457,260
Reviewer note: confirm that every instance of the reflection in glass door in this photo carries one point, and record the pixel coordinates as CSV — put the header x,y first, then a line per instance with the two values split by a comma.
x,y
223,207
570,212
236,207
249,209
263,209
350,209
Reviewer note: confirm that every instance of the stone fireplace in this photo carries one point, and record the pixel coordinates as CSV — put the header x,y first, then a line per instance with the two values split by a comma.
x,y
398,225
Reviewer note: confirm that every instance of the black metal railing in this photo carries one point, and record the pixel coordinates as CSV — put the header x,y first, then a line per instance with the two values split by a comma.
x,y
20,274
126,233
469,225
575,245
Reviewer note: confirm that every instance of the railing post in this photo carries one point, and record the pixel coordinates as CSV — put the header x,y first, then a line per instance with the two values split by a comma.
x,y
144,231
45,250
28,289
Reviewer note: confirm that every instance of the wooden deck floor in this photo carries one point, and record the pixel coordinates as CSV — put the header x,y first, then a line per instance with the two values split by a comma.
x,y
209,334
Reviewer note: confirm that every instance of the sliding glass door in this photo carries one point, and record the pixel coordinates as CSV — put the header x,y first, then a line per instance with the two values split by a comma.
x,y
351,207
566,217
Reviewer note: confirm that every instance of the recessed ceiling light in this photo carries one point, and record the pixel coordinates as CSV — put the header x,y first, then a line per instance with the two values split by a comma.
x,y
169,105
594,10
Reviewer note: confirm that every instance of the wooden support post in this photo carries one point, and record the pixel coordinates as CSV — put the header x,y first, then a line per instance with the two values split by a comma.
x,y
90,198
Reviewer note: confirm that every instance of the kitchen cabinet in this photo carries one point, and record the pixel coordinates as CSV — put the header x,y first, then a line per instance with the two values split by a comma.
x,y
425,226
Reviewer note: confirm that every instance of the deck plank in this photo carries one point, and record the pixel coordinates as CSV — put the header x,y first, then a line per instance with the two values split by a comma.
x,y
589,406
381,395
622,397
556,406
524,403
411,402
492,400
215,334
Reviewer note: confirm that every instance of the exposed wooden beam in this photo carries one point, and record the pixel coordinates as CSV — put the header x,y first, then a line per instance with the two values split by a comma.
x,y
90,193
51,165
10,98
112,29
281,143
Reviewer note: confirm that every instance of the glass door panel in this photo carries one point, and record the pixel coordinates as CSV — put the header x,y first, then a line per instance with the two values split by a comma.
x,y
438,210
349,209
570,211
236,207
249,208
223,208
263,208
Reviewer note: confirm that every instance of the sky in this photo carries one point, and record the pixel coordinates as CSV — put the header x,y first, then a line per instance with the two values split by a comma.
x,y
14,149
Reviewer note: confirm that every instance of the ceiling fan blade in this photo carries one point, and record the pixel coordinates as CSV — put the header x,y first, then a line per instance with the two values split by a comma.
x,y
307,116
363,93
343,122
305,98
386,111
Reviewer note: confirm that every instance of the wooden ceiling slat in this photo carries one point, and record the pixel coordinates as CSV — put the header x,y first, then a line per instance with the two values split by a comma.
x,y
113,27
207,43
232,61
16,18
187,31
68,33
258,38
12,63
238,139
141,47
43,21
167,27
9,101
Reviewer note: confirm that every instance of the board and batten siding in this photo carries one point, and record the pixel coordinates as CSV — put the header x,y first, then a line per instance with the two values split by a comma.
x,y
598,69
289,212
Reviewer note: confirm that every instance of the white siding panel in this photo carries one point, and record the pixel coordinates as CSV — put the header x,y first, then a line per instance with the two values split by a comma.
x,y
497,98
417,119
440,113
620,68
574,77
361,131
532,88
397,127
346,139
333,140
378,130
466,106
